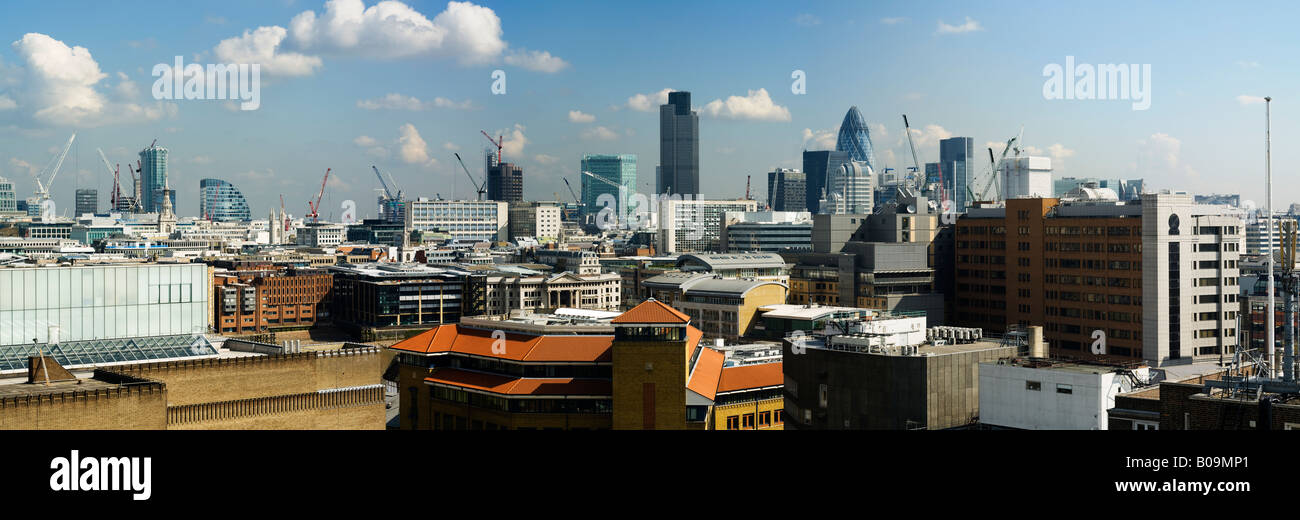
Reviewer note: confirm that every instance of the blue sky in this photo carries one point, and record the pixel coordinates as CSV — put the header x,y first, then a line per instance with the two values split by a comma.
x,y
981,77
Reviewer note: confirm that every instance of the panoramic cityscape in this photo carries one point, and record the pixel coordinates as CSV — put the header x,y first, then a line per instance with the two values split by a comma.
x,y
430,216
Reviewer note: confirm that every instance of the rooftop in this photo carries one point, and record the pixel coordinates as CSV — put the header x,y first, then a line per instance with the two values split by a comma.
x,y
653,311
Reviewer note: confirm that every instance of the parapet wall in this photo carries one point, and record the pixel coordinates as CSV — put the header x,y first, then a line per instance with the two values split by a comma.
x,y
137,406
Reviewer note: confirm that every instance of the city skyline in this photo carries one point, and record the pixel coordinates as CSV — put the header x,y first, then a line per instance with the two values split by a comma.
x,y
597,92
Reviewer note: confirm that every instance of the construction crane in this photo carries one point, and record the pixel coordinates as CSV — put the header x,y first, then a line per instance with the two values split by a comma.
x,y
387,191
43,189
1013,144
499,140
116,194
315,208
916,164
480,188
747,179
576,200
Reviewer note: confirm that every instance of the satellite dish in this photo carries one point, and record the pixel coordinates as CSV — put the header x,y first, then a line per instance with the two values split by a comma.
x,y
911,208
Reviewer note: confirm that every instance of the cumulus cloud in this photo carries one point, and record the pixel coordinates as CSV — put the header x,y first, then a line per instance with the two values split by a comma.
x,y
757,106
539,61
820,139
970,26
600,133
394,101
60,86
1245,99
450,146
264,46
577,116
513,143
1162,153
648,102
411,148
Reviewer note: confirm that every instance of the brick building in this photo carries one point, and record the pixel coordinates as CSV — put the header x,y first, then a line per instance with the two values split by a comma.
x,y
256,299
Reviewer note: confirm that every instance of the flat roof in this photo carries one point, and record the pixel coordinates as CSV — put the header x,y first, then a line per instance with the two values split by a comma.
x,y
23,388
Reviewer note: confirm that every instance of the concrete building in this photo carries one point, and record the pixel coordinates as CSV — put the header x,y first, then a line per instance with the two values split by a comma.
x,y
505,183
696,225
1257,235
87,201
882,374
1037,394
759,266
8,198
369,298
320,234
787,190
1026,177
849,190
831,232
726,309
1158,277
767,231
507,292
460,219
539,220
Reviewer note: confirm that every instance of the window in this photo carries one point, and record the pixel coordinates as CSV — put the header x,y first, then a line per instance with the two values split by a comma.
x,y
747,421
765,418
733,422
1064,389
1033,385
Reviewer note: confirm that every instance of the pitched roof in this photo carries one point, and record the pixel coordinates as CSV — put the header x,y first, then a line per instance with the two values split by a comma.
x,y
653,311
517,346
746,377
506,385
705,375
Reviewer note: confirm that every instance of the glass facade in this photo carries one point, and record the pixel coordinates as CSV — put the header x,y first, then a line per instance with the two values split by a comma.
x,y
619,169
8,197
956,155
679,146
221,201
102,302
153,178
855,139
816,166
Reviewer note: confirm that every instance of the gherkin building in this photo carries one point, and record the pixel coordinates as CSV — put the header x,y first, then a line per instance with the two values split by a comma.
x,y
856,139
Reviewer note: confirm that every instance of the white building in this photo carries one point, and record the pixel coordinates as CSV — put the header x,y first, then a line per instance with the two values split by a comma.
x,y
537,220
695,225
320,234
850,189
1026,177
1043,395
470,220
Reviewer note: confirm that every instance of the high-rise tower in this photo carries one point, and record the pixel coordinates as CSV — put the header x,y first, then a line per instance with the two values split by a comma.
x,y
855,139
679,146
153,178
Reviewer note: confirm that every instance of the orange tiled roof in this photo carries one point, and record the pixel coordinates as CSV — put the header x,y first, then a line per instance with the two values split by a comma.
x,y
652,311
518,347
708,369
745,377
506,385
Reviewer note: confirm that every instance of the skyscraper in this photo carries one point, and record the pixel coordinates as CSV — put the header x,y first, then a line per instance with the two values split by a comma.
x,y
850,189
87,201
153,178
505,183
8,197
855,139
619,169
221,201
679,146
817,164
956,155
787,190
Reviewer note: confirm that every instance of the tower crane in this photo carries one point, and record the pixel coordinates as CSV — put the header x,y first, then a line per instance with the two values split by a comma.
x,y
43,189
480,188
916,165
116,195
576,200
1013,144
497,142
315,208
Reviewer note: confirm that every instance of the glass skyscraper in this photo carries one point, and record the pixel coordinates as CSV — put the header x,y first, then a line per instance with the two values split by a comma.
x,y
679,146
817,165
855,139
221,201
956,155
8,197
619,169
153,178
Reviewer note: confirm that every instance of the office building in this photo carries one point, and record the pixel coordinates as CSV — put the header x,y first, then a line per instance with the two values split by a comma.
x,y
505,183
378,231
320,234
787,190
537,220
849,190
1043,394
87,201
1225,199
253,299
8,197
153,179
726,309
1026,177
817,166
885,373
221,201
467,220
767,231
759,266
957,160
1153,280
1257,235
373,296
617,170
855,138
679,146
696,225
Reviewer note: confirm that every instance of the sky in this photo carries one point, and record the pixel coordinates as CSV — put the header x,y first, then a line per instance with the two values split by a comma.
x,y
349,84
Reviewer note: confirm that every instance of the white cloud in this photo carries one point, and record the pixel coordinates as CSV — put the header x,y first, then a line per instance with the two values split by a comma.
x,y
450,146
411,147
372,146
1249,100
394,101
59,87
970,26
757,106
807,20
1059,151
820,139
893,21
577,116
22,167
600,133
263,46
648,102
6,103
513,143
546,159
1161,154
539,61
364,141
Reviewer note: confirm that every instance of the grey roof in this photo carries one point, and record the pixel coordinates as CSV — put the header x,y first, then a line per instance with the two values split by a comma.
x,y
730,286
675,280
732,260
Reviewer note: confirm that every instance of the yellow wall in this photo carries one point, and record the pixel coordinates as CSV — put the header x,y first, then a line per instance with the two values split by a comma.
x,y
738,410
